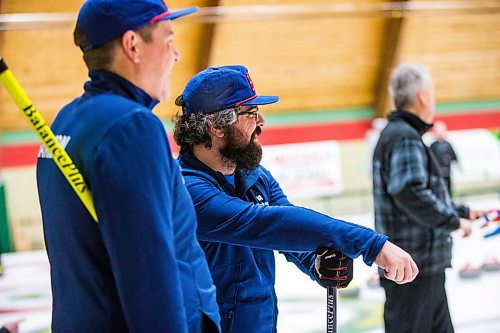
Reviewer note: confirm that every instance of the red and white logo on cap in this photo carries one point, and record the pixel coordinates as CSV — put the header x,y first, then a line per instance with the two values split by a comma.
x,y
250,81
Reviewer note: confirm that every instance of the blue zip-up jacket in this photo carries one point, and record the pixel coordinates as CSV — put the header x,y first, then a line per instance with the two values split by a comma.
x,y
239,227
140,269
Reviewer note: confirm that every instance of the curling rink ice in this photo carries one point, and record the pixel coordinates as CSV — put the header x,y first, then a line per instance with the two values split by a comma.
x,y
474,303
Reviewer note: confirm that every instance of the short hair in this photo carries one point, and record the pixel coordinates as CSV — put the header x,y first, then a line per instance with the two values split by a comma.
x,y
101,57
194,129
406,81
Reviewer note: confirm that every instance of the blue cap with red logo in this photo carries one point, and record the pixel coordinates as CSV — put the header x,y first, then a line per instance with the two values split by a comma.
x,y
105,20
218,88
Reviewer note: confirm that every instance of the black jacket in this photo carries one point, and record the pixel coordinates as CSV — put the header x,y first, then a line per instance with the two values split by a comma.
x,y
412,204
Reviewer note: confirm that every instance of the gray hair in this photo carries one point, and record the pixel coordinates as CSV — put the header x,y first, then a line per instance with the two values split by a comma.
x,y
194,129
406,81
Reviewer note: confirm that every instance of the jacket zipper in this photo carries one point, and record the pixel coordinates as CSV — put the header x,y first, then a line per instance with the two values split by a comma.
x,y
229,324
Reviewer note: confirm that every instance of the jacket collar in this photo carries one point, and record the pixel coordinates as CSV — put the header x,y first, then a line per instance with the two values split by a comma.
x,y
187,159
244,178
107,82
413,120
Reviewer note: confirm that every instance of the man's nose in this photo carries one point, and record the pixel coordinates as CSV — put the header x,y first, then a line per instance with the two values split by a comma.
x,y
260,120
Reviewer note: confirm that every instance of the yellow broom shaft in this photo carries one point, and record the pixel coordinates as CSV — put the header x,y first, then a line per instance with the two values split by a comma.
x,y
59,155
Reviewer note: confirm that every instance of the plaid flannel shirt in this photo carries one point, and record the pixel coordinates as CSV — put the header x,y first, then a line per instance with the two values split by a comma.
x,y
412,204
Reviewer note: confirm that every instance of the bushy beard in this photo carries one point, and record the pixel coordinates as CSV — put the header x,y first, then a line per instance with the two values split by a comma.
x,y
246,155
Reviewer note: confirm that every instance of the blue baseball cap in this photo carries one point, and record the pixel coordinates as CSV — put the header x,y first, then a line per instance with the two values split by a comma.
x,y
219,88
105,20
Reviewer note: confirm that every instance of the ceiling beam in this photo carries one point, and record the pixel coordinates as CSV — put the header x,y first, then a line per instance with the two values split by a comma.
x,y
391,47
207,39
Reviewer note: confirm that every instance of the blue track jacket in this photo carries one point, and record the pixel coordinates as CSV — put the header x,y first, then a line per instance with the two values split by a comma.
x,y
140,269
239,227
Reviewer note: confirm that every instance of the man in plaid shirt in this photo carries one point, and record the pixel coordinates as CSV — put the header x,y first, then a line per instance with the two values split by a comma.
x,y
413,206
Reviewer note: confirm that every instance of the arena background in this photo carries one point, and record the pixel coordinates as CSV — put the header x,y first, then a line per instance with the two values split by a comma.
x,y
329,61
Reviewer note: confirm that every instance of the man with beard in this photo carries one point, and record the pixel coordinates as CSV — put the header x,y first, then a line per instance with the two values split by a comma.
x,y
243,215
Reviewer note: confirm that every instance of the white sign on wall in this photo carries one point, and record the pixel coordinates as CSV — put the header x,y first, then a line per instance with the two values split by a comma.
x,y
305,170
478,153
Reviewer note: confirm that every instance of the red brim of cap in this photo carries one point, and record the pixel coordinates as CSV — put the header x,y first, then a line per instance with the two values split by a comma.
x,y
179,13
262,100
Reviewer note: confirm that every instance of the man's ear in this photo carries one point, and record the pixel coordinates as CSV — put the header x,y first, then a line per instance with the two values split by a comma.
x,y
217,132
422,97
129,43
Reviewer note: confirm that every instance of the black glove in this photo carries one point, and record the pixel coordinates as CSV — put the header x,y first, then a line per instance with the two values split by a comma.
x,y
333,268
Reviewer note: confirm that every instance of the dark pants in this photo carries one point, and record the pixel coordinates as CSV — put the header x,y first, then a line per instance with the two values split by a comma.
x,y
417,307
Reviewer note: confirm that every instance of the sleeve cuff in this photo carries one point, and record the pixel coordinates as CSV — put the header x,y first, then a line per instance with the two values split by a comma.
x,y
455,224
464,212
372,255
